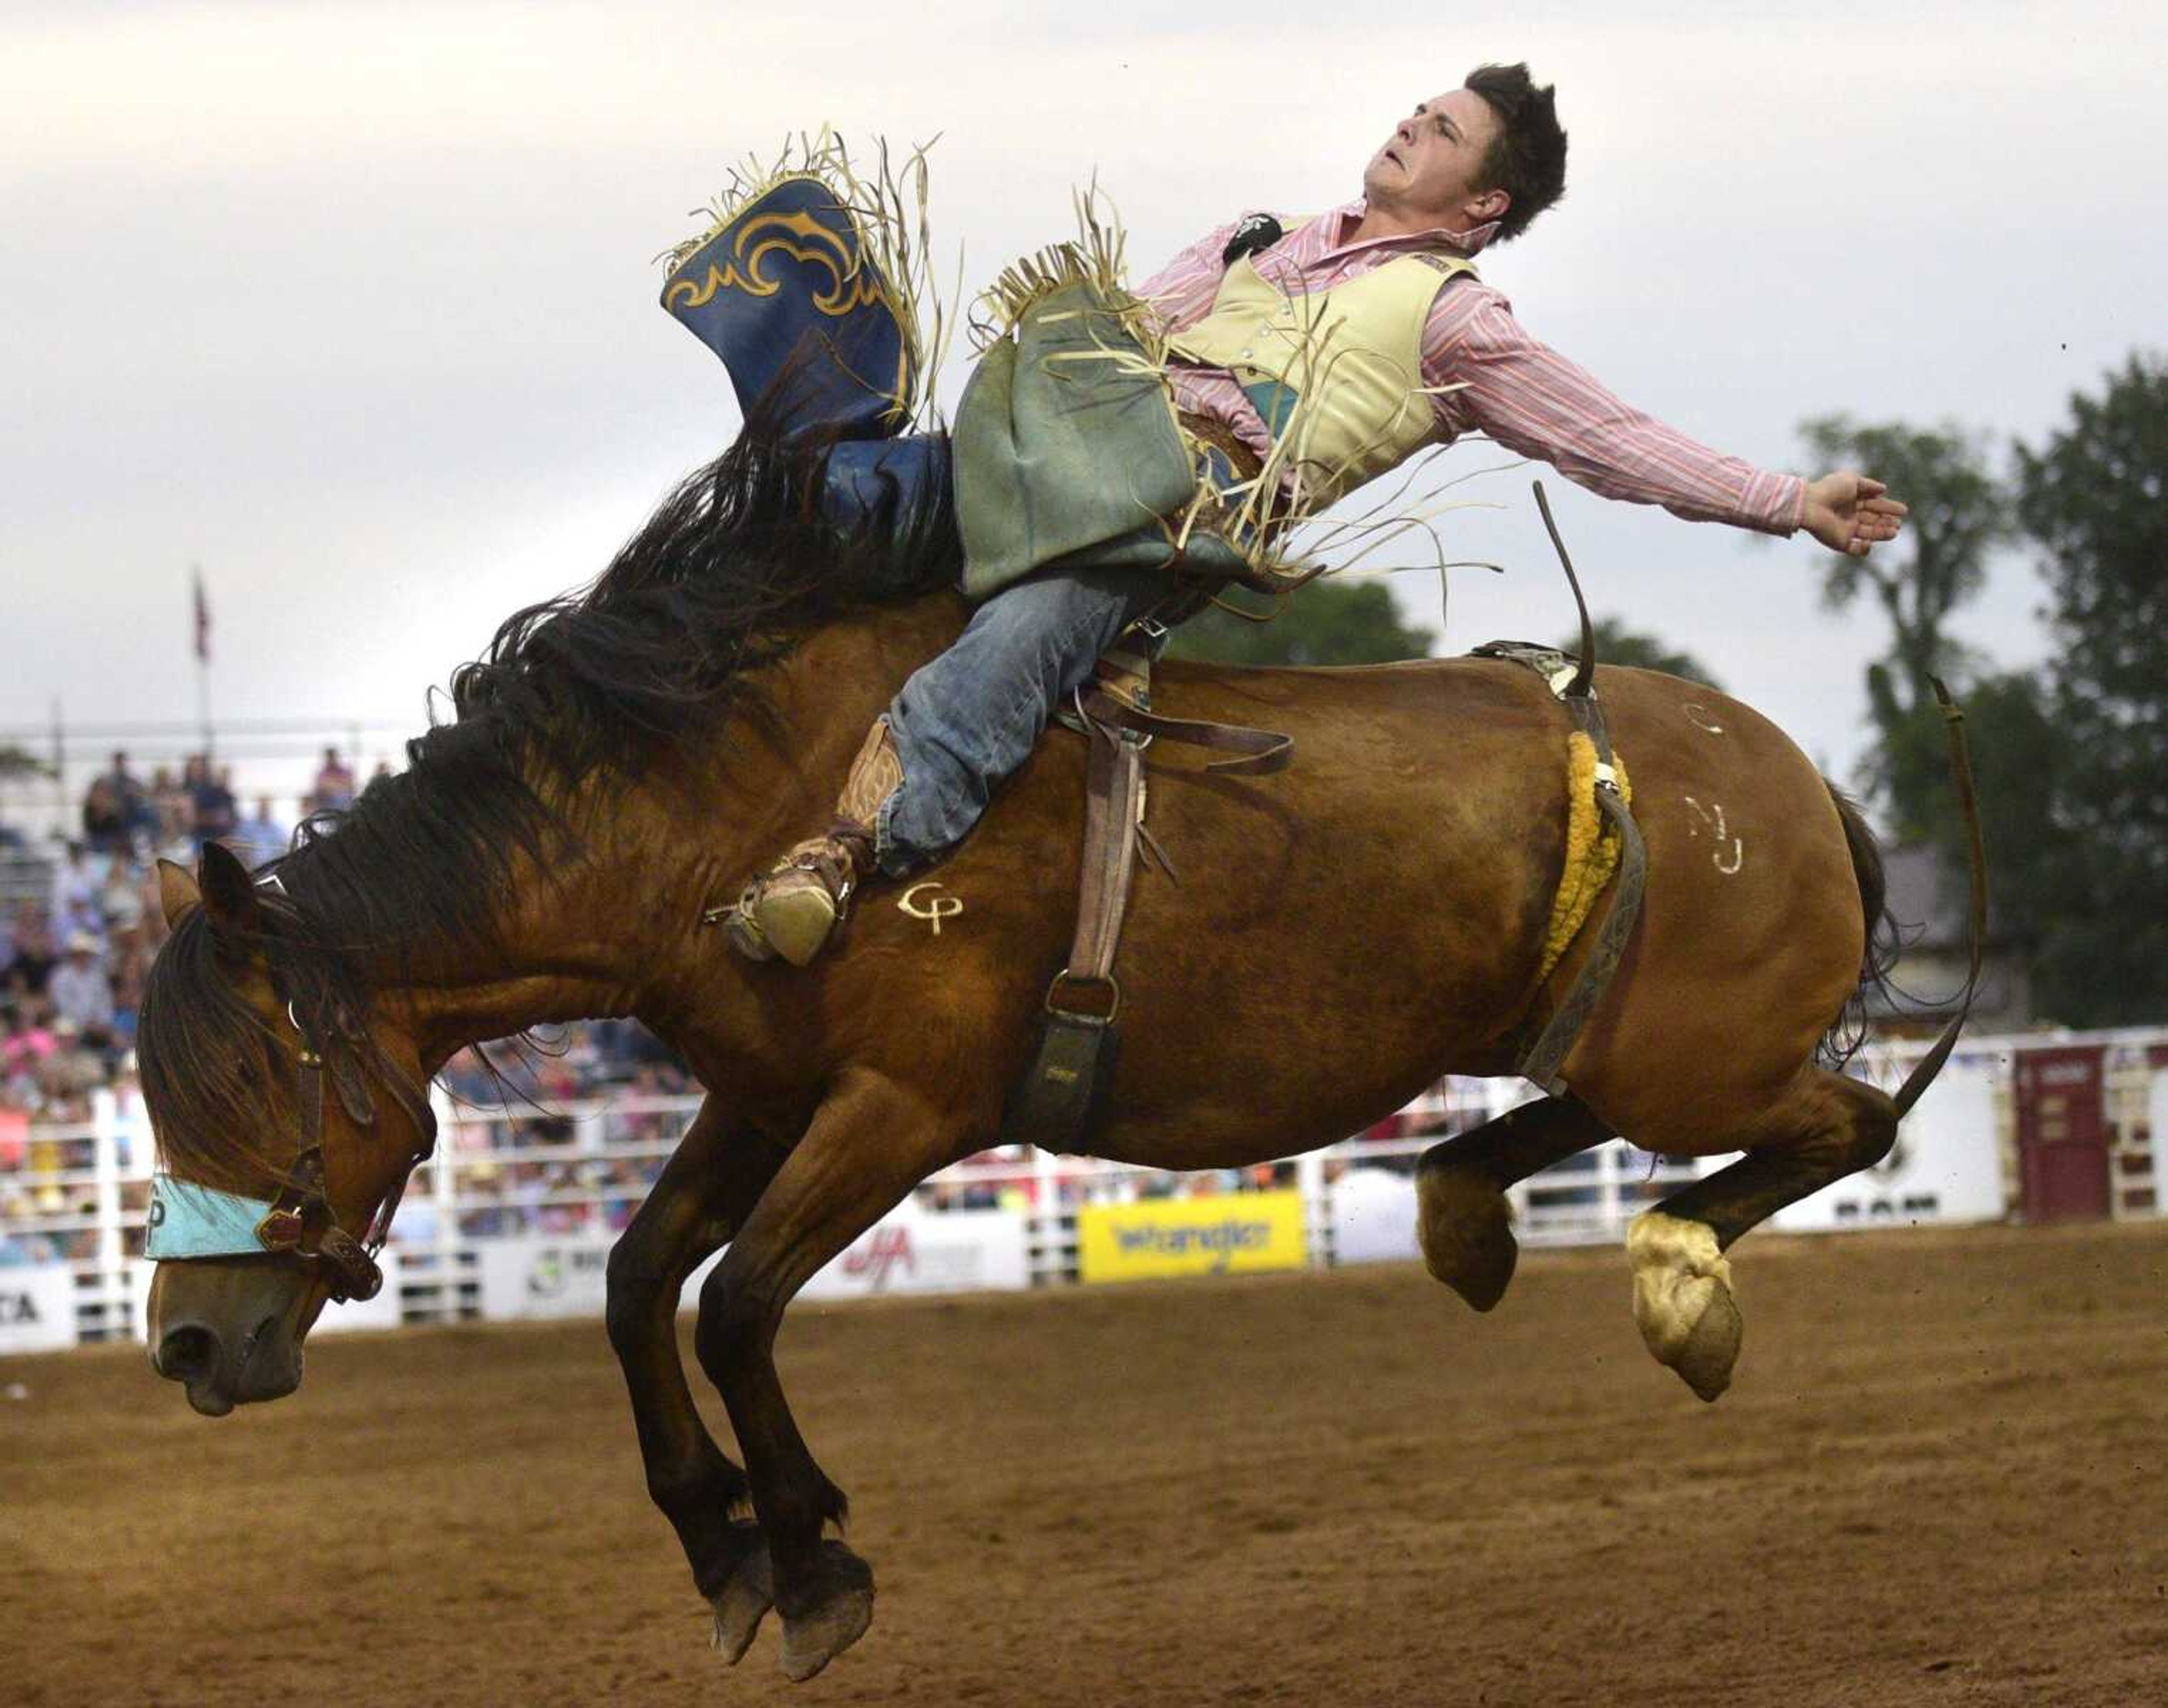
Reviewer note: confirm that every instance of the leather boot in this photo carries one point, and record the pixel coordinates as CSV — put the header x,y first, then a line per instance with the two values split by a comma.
x,y
792,909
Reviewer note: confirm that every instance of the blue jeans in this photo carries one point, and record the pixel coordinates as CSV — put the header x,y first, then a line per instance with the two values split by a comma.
x,y
968,719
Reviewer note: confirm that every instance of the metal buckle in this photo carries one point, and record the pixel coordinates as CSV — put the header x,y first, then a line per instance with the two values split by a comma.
x,y
307,1052
281,1229
1066,975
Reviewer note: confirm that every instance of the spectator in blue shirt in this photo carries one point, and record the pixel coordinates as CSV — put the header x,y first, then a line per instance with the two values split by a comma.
x,y
262,837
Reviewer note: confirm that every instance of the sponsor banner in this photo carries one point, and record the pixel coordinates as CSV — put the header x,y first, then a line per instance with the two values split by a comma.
x,y
1373,1217
911,1251
381,1312
2157,1119
926,1251
542,1277
1231,1233
1946,1166
37,1307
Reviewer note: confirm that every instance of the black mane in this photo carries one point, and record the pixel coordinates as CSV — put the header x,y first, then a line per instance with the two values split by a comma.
x,y
595,688
586,692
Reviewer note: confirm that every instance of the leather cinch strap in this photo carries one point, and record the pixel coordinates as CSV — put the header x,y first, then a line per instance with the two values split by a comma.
x,y
1263,752
1547,1053
1057,1102
1571,683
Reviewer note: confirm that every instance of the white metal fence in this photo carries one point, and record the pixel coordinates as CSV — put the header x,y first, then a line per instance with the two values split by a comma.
x,y
71,1200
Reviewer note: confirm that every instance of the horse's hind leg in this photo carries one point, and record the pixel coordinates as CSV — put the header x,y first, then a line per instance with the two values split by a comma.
x,y
1462,1219
706,1191
1683,1301
870,1143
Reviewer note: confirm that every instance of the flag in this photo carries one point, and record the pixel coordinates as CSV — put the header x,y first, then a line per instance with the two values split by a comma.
x,y
203,620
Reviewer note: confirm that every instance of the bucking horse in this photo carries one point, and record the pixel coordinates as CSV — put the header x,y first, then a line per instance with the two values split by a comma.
x,y
1341,935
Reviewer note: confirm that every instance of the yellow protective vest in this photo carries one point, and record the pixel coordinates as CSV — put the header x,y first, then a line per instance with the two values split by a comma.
x,y
1336,374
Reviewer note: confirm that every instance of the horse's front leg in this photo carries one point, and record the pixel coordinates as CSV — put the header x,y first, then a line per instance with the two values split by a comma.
x,y
869,1143
704,1194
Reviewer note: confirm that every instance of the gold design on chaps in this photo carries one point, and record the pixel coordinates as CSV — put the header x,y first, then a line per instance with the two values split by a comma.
x,y
802,238
942,907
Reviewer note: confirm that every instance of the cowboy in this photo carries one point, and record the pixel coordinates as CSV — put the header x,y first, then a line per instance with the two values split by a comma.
x,y
1300,363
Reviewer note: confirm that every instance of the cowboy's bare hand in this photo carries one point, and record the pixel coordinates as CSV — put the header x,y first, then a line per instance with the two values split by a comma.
x,y
1848,513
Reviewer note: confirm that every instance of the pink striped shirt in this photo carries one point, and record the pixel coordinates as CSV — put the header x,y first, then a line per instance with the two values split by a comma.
x,y
1515,388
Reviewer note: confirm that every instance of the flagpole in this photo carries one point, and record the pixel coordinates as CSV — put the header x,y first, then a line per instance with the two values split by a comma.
x,y
203,663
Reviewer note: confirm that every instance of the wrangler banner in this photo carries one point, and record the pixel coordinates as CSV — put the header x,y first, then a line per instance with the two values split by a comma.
x,y
1239,1232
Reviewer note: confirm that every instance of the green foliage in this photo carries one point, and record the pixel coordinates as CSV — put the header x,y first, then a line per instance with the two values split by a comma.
x,y
1326,622
2095,498
1617,644
2020,759
1959,513
14,761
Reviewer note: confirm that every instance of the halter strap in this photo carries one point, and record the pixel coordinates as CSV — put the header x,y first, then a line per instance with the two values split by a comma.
x,y
300,1222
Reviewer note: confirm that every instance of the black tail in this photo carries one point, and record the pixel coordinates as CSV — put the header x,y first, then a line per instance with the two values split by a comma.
x,y
1843,1039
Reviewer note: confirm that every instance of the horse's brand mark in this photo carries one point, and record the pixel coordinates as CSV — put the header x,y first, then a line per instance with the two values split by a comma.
x,y
940,908
1731,852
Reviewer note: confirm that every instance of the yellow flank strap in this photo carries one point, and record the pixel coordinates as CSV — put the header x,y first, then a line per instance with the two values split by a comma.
x,y
1590,856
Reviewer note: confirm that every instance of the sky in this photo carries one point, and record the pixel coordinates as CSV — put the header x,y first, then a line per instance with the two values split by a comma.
x,y
354,306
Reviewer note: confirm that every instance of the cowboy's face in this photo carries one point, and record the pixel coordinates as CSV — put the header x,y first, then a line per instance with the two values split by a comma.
x,y
1431,166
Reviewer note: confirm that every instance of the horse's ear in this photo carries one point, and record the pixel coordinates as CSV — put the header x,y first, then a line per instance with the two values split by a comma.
x,y
228,891
176,892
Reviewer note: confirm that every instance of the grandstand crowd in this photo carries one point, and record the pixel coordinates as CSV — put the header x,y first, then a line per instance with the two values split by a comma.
x,y
84,923
77,933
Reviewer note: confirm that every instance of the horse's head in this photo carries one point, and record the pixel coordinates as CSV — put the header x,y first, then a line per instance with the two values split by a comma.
x,y
287,1123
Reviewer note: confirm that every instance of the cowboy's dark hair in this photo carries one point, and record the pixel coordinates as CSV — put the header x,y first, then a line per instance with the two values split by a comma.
x,y
1527,158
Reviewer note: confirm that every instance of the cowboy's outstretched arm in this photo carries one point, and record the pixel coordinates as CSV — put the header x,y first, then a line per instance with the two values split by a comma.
x,y
1526,397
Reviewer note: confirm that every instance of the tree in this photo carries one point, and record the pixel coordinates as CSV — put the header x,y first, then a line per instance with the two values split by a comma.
x,y
14,761
2095,498
1959,513
1328,621
1617,644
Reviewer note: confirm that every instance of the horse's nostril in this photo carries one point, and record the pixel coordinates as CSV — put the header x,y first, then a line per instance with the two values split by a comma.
x,y
187,1353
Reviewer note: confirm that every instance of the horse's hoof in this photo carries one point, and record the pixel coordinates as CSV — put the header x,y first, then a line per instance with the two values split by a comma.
x,y
1466,1228
1712,1346
1682,1300
742,1603
837,1619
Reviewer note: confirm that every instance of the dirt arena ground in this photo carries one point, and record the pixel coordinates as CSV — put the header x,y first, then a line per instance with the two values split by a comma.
x,y
1941,1477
